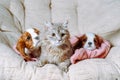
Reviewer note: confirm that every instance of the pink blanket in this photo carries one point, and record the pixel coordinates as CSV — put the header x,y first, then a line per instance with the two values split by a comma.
x,y
81,53
14,48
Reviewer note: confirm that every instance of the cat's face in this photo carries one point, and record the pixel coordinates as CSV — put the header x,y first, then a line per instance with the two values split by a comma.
x,y
57,33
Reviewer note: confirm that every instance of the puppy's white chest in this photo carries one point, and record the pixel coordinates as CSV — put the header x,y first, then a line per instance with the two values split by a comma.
x,y
27,51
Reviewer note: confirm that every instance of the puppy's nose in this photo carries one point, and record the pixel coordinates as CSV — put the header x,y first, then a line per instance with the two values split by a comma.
x,y
89,43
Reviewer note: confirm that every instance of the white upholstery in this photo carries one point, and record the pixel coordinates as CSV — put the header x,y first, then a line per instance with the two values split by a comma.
x,y
98,16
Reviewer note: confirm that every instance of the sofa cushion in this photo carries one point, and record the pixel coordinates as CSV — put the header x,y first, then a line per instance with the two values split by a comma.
x,y
13,67
98,16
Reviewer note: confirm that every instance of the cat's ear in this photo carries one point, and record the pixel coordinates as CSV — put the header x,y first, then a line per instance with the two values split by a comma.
x,y
65,24
48,25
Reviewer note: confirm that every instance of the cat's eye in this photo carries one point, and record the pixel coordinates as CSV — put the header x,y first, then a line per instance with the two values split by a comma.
x,y
62,34
28,37
53,34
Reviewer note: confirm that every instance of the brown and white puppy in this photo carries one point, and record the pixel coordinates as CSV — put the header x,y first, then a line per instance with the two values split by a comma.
x,y
27,44
89,41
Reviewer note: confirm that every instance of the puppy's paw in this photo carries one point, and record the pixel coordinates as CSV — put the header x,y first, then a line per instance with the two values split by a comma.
x,y
33,59
28,58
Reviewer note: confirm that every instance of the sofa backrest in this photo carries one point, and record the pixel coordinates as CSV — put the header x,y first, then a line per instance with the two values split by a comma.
x,y
97,16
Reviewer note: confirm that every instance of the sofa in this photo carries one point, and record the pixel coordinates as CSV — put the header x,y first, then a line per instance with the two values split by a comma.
x,y
98,16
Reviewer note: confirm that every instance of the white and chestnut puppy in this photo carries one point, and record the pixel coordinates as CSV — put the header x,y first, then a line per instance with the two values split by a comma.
x,y
27,44
89,41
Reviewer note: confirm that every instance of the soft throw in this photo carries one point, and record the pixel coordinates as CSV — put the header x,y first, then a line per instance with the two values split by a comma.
x,y
81,53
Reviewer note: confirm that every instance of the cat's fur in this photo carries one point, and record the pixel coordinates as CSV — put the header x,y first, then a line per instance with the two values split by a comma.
x,y
56,47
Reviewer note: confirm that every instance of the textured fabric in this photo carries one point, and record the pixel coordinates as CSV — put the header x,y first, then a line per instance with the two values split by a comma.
x,y
98,16
81,53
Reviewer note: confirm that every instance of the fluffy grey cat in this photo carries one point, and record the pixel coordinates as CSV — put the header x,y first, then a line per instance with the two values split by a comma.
x,y
55,47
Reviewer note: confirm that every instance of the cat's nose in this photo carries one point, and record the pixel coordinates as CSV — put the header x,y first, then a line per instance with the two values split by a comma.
x,y
59,40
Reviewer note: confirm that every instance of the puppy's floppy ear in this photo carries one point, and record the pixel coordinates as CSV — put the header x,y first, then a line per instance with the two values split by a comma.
x,y
99,40
36,30
79,43
21,42
27,38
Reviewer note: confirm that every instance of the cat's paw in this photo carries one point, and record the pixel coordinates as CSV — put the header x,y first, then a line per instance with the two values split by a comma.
x,y
40,64
63,67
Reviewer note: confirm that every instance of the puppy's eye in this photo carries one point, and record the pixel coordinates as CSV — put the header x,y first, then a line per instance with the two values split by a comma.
x,y
53,34
37,38
28,38
95,40
84,40
62,34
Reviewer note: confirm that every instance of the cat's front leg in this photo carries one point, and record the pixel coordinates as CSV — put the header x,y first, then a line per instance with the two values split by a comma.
x,y
41,62
64,65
